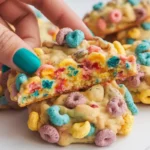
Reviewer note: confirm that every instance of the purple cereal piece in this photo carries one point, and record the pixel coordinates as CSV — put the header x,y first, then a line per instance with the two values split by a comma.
x,y
75,99
140,14
49,133
60,38
105,138
116,107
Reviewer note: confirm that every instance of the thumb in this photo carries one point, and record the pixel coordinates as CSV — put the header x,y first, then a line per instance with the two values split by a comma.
x,y
15,53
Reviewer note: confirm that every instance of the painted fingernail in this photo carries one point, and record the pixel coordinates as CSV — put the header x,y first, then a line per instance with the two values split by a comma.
x,y
5,68
26,60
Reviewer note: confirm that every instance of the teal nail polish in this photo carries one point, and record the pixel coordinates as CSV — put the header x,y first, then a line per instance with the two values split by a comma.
x,y
5,68
26,60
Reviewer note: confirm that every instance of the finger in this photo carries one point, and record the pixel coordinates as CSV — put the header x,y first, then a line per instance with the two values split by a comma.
x,y
60,14
15,53
25,22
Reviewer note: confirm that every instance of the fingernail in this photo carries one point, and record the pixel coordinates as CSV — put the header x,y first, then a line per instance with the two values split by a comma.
x,y
26,61
5,68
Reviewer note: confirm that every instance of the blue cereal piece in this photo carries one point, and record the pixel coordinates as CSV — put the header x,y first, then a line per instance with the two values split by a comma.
x,y
56,118
142,47
127,65
47,84
21,78
144,58
3,100
98,6
134,2
130,41
72,71
129,100
74,39
5,68
146,25
92,130
113,61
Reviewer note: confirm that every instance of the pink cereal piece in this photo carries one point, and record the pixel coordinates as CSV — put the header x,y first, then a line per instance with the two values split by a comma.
x,y
43,67
105,138
141,14
60,38
49,133
115,16
34,87
116,107
101,24
94,48
75,99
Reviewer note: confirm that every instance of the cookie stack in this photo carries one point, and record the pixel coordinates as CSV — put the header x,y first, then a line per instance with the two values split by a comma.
x,y
75,96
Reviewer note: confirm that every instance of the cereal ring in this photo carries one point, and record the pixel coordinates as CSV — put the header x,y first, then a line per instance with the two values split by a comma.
x,y
115,16
56,118
60,38
98,6
134,81
105,138
75,99
33,121
45,70
142,47
101,24
74,39
134,2
130,41
116,107
113,61
80,130
144,96
119,47
20,79
38,51
146,25
144,58
94,48
134,33
49,133
92,130
140,14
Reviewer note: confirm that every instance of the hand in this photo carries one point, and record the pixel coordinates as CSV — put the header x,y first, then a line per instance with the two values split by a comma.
x,y
16,48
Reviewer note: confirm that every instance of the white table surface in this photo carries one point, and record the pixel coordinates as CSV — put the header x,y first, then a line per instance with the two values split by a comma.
x,y
14,134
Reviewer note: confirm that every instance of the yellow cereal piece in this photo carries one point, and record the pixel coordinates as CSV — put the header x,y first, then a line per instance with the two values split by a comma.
x,y
145,96
119,47
126,46
33,121
80,130
38,51
97,57
1,90
128,122
134,33
47,73
67,62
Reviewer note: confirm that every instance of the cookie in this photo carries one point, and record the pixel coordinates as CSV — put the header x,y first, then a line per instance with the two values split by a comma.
x,y
139,32
117,15
75,65
96,115
139,85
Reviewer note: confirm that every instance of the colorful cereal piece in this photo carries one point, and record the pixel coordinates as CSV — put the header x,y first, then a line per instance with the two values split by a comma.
x,y
144,96
60,38
113,61
74,39
98,6
134,33
130,41
142,47
49,133
115,16
80,130
105,138
134,81
56,118
33,121
146,25
21,78
75,99
101,24
116,107
94,48
140,13
119,47
92,130
47,84
38,51
134,2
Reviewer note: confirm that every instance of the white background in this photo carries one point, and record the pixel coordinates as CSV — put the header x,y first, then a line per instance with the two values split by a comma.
x,y
14,134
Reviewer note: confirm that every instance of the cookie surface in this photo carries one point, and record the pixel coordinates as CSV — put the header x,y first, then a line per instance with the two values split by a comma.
x,y
64,69
96,115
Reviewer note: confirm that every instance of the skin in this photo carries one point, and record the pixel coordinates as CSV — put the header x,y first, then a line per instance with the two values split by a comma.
x,y
17,13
